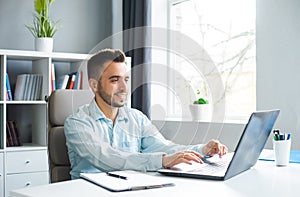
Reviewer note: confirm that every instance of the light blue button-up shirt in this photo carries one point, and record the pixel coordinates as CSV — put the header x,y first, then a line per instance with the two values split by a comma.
x,y
95,144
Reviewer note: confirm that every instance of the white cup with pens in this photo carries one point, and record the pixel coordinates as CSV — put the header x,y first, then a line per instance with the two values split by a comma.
x,y
282,148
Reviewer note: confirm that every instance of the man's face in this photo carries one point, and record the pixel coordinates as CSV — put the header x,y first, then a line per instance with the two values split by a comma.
x,y
112,86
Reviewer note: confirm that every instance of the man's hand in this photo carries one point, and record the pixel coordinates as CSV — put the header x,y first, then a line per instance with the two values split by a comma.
x,y
187,156
211,148
214,147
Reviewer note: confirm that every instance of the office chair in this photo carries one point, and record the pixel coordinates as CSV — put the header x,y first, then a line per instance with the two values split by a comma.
x,y
62,103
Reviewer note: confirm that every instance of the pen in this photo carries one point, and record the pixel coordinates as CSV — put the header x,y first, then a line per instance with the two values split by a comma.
x,y
276,135
276,132
151,186
116,175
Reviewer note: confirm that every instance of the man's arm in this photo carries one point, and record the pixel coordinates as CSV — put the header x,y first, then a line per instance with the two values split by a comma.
x,y
152,141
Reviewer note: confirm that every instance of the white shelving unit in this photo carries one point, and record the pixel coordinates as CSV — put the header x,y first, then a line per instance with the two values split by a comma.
x,y
1,173
27,165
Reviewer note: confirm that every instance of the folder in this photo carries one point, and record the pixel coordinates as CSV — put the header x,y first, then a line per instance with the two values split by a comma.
x,y
119,181
268,155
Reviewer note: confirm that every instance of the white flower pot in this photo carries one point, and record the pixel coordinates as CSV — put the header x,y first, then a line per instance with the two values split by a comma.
x,y
44,44
200,112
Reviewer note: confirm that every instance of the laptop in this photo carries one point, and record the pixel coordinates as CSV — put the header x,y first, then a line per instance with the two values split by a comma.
x,y
247,151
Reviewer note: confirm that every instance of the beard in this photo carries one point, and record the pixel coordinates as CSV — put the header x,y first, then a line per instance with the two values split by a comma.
x,y
109,99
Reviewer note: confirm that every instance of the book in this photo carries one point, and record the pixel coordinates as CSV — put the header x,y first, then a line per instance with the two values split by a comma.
x,y
69,80
28,88
20,87
62,82
33,87
7,143
77,84
128,180
8,90
14,132
39,88
80,80
52,82
9,138
72,81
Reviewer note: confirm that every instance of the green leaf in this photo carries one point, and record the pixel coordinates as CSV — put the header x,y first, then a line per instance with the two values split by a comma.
x,y
202,101
40,6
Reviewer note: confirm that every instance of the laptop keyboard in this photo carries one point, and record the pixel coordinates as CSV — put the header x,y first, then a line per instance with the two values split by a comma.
x,y
211,165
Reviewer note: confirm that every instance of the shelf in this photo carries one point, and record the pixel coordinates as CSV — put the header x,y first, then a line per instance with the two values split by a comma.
x,y
34,55
26,147
30,116
27,102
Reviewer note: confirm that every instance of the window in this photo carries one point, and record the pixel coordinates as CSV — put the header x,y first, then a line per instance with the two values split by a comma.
x,y
225,30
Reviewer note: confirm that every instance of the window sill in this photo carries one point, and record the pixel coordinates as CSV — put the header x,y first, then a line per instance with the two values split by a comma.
x,y
227,121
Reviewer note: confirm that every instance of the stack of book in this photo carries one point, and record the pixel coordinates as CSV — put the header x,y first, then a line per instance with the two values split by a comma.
x,y
70,81
12,134
28,87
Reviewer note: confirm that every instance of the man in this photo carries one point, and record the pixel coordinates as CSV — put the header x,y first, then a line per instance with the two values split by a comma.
x,y
106,135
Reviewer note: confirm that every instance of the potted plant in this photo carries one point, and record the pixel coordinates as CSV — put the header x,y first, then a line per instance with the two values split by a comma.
x,y
43,28
200,99
200,109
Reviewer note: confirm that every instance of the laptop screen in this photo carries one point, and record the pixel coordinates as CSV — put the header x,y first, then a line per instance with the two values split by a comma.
x,y
252,141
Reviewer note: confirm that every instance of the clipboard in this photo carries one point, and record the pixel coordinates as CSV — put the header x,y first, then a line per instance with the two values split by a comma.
x,y
119,181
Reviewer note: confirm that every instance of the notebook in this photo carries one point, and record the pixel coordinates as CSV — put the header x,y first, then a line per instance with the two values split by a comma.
x,y
119,181
247,151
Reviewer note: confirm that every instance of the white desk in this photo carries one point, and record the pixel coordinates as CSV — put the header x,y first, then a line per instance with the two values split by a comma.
x,y
264,179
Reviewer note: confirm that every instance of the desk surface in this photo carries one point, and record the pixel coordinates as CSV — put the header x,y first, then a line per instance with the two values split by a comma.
x,y
264,179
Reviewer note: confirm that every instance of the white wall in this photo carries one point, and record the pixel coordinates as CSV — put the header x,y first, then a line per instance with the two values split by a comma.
x,y
83,24
278,62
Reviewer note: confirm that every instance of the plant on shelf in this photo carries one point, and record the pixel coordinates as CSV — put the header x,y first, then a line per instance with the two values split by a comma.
x,y
42,25
43,28
200,109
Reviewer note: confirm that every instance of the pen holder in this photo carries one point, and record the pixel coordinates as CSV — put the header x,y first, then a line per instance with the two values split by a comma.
x,y
282,151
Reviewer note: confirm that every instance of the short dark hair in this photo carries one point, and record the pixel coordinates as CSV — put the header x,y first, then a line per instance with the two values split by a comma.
x,y
95,64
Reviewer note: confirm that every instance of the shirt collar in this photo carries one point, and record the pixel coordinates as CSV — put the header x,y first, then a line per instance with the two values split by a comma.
x,y
122,115
97,114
